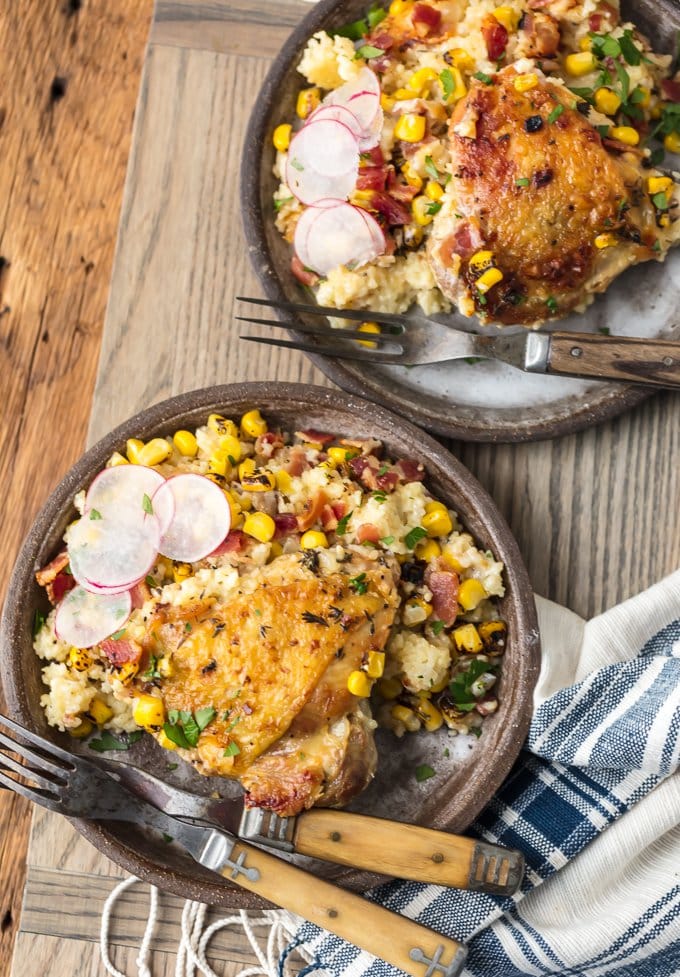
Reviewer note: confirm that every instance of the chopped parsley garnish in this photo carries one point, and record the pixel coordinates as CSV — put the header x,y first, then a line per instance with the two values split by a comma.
x,y
472,359
433,207
146,505
555,114
187,626
631,53
604,330
603,130
383,470
480,76
522,182
167,838
117,635
368,51
341,528
437,626
38,621
280,201
414,536
149,581
358,584
387,540
657,245
423,772
476,731
107,741
96,514
359,28
433,174
460,688
184,728
551,302
172,766
379,496
297,165
660,201
232,750
448,87
152,670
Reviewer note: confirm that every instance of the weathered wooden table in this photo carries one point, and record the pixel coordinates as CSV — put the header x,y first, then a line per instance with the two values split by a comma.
x,y
597,515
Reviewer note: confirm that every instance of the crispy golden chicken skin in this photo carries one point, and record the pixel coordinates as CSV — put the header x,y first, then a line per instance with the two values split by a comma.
x,y
534,184
273,663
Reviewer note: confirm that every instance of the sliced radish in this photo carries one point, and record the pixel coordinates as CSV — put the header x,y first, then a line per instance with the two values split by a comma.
x,y
337,113
372,134
84,619
353,92
111,554
334,236
376,230
323,161
122,488
163,506
202,518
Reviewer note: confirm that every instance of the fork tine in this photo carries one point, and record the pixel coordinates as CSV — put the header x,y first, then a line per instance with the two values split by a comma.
x,y
46,746
324,350
373,337
34,794
29,772
386,317
33,756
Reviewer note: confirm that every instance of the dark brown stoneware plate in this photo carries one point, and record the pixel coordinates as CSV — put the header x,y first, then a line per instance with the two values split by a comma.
x,y
452,798
473,402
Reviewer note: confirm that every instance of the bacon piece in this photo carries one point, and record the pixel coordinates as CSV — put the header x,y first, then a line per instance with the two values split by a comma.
x,y
339,508
368,533
444,585
403,192
139,594
303,275
604,18
297,462
59,587
542,35
671,89
372,178
621,147
286,523
388,481
495,37
233,542
373,157
392,210
410,470
329,520
318,437
426,19
52,569
267,443
311,511
120,651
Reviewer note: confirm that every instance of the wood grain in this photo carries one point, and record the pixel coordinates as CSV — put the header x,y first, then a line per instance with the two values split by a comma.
x,y
654,361
68,86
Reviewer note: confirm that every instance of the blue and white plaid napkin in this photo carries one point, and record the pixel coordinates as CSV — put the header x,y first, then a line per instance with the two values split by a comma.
x,y
592,802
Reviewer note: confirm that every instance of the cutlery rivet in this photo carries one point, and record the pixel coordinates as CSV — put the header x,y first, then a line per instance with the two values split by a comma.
x,y
668,361
332,913
437,857
576,351
335,836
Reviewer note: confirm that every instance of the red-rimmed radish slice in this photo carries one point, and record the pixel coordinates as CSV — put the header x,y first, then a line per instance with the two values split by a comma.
x,y
111,554
372,134
163,506
361,95
334,236
375,229
84,619
323,161
202,518
337,113
122,489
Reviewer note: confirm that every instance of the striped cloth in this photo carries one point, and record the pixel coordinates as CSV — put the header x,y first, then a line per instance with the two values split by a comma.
x,y
594,804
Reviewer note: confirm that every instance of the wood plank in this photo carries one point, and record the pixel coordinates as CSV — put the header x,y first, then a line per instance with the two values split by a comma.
x,y
256,29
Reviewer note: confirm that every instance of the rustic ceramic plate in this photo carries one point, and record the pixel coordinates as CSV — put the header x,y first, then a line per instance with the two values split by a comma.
x,y
452,798
473,402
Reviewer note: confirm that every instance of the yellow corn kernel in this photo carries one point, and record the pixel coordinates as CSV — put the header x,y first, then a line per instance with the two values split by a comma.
x,y
471,593
260,526
454,563
603,241
359,684
420,208
645,96
658,184
481,260
585,44
229,447
405,716
180,572
186,443
253,424
386,102
235,511
459,88
246,468
410,127
308,100
389,688
259,481
154,452
665,220
402,95
420,80
461,59
399,7
83,729
283,481
441,684
165,741
431,716
428,549
486,281
100,711
222,425
415,611
437,523
626,134
525,82
370,327
275,550
132,448
672,142
219,464
376,664
116,459
165,667
466,638
126,672
607,101
281,137
492,634
245,501
435,506
148,711
434,190
507,17
412,178
580,64
80,659
313,539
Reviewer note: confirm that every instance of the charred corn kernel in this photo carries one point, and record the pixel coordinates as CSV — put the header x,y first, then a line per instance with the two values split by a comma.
x,y
389,688
420,80
415,611
487,280
281,137
435,506
246,468
283,481
398,7
126,672
429,714
132,448
165,741
492,634
658,184
358,683
452,561
672,142
507,17
664,220
260,526
607,101
437,523
219,464
154,452
259,481
405,716
525,82
459,58
481,260
80,659
186,443
180,572
466,638
428,549
222,425
275,550
471,593
580,64
148,712
585,44
312,445
410,127
434,190
313,539
603,241
308,100
376,664
116,459
253,424
420,208
83,729
370,327
386,102
217,479
100,711
165,668
626,134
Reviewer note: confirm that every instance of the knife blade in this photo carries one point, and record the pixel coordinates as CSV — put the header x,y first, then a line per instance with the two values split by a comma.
x,y
391,848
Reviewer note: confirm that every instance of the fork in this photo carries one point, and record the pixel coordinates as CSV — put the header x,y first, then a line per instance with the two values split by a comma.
x,y
73,786
415,340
